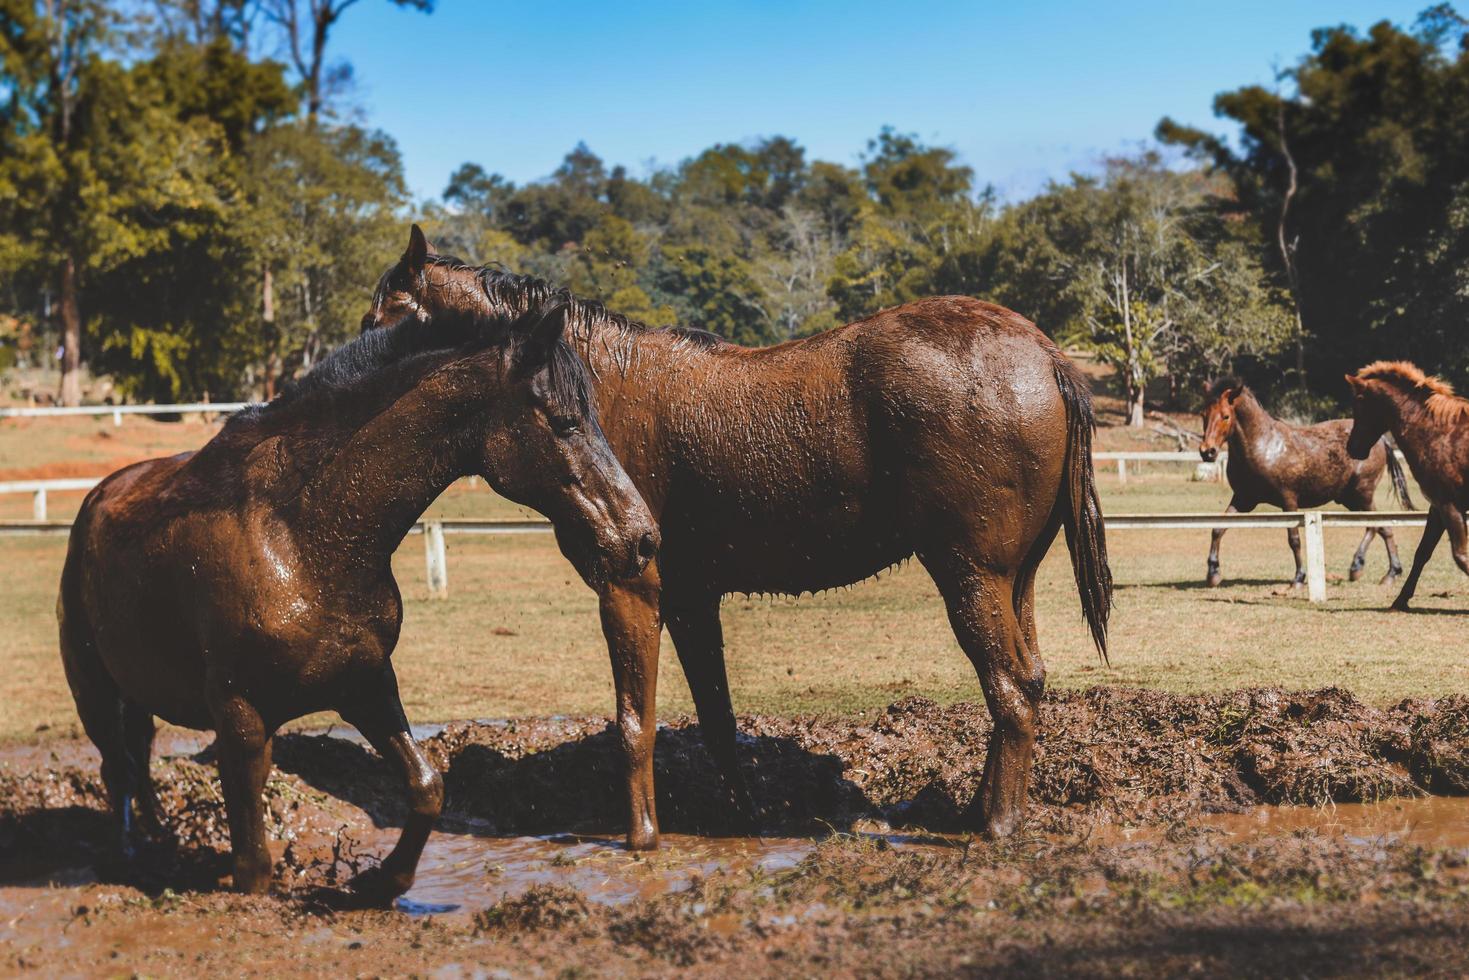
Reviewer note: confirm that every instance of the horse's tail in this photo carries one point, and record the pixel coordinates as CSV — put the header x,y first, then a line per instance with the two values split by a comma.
x,y
1395,472
1086,533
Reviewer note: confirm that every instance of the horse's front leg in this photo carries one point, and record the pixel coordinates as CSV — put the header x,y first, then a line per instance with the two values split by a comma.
x,y
1433,529
632,625
376,710
1293,535
1213,578
698,639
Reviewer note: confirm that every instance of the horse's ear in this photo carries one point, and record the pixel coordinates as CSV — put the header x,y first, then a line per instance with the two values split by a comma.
x,y
1353,381
545,333
418,251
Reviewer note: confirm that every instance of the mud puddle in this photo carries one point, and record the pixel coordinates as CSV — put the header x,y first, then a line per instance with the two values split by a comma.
x,y
1433,821
463,873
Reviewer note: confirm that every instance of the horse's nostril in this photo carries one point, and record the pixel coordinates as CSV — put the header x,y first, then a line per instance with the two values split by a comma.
x,y
647,545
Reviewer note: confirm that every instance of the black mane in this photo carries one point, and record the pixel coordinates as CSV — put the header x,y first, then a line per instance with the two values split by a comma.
x,y
370,354
512,295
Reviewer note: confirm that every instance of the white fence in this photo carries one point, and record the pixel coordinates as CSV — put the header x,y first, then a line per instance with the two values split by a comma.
x,y
118,411
1215,469
1314,521
40,488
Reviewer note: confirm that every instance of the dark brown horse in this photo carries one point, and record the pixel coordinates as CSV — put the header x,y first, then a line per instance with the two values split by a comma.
x,y
250,583
948,428
1294,466
1431,423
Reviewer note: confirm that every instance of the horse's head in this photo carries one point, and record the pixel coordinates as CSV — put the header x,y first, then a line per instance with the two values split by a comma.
x,y
420,287
542,447
1218,416
1372,408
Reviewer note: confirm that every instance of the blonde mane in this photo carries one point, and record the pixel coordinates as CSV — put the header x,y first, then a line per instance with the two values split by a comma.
x,y
1436,394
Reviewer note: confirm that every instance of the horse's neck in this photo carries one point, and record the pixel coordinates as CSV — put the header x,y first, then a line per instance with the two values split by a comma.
x,y
1251,424
365,499
1416,434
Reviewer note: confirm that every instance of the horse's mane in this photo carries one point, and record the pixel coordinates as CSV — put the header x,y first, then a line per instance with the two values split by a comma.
x,y
510,294
1436,394
373,353
1220,386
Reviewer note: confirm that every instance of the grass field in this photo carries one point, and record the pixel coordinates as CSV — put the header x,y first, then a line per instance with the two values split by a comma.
x,y
519,633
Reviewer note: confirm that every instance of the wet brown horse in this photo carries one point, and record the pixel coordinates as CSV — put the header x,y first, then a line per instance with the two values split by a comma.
x,y
250,583
1294,466
948,428
1431,423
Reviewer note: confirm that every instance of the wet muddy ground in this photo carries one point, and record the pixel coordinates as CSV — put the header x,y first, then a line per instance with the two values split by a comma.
x,y
1252,832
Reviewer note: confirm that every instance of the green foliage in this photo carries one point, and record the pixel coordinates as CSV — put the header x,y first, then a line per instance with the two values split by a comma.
x,y
1135,267
1374,242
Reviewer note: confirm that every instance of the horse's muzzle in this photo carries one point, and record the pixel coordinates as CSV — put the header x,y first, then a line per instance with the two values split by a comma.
x,y
1209,455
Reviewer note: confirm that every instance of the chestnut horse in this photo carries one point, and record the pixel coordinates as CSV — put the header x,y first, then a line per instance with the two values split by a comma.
x,y
250,583
1431,423
948,428
1294,466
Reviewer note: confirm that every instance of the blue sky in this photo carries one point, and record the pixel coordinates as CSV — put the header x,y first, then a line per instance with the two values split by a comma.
x,y
1023,91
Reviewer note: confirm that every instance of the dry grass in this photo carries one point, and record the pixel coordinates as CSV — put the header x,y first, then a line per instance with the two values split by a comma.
x,y
519,633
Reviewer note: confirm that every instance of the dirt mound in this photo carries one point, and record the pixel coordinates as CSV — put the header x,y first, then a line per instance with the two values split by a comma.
x,y
1105,756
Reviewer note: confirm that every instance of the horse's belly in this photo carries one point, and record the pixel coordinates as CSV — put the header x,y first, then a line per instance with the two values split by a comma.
x,y
780,556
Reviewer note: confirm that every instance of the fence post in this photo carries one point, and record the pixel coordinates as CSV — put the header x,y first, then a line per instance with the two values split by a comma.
x,y
1219,466
116,418
1121,471
1315,558
38,504
438,565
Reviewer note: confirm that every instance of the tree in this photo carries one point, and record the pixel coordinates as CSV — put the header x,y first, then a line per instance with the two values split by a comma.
x,y
98,169
1361,177
306,26
322,208
1136,268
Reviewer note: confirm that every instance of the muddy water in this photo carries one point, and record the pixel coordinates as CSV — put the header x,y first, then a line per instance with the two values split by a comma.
x,y
461,872
1433,821
467,873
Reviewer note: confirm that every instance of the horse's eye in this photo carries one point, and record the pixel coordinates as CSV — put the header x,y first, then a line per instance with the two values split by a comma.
x,y
565,425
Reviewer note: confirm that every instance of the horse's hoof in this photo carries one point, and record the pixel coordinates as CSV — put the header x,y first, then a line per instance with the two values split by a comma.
x,y
1354,574
376,888
1213,580
1399,607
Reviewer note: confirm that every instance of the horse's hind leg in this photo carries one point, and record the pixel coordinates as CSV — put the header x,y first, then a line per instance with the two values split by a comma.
x,y
1458,536
982,612
699,640
102,711
1359,560
378,714
244,763
1394,564
138,731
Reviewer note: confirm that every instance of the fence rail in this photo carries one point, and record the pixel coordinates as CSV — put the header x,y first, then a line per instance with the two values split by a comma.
x,y
118,411
39,489
1314,522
